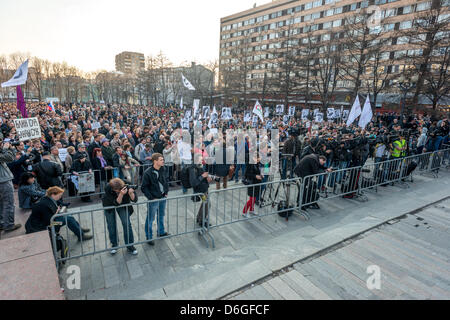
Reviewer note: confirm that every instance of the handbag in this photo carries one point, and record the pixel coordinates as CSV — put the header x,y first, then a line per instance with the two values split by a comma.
x,y
231,172
246,181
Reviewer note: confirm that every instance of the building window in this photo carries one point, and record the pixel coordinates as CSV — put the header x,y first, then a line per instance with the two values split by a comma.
x,y
327,25
329,12
326,37
377,2
402,40
338,10
405,25
337,23
317,3
315,15
423,6
308,5
407,9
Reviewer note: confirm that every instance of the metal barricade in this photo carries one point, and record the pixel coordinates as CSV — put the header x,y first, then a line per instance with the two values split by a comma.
x,y
179,218
227,206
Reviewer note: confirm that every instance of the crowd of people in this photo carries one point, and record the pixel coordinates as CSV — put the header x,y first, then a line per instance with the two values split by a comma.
x,y
130,147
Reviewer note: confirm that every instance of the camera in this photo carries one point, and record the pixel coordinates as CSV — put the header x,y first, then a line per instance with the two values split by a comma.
x,y
131,186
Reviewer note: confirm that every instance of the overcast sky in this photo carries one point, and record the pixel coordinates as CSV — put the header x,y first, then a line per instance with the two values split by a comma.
x,y
89,33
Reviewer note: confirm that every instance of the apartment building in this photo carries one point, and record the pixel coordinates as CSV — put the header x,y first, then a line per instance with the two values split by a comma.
x,y
130,63
256,34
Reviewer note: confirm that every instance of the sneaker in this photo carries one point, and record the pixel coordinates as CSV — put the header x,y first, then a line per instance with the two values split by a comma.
x,y
86,237
85,230
164,235
245,215
151,243
252,213
132,250
113,251
14,227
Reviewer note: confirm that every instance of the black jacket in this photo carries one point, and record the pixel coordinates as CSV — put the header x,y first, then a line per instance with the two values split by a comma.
x,y
198,183
109,199
293,146
41,214
77,166
48,174
308,166
150,186
251,171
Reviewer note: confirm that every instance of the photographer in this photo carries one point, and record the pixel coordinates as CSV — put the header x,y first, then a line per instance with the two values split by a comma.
x,y
117,195
291,150
7,207
310,165
199,180
46,208
48,173
155,186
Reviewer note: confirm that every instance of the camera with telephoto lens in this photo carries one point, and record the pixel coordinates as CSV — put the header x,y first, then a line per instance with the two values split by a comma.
x,y
15,143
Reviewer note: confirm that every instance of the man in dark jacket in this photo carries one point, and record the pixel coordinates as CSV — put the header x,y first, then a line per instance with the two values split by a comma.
x,y
199,180
155,186
48,173
118,195
292,148
310,165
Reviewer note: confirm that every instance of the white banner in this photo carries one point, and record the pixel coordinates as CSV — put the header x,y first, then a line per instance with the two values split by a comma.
x,y
247,116
62,154
19,78
305,114
319,117
266,112
291,111
86,182
280,109
96,125
331,113
206,112
27,129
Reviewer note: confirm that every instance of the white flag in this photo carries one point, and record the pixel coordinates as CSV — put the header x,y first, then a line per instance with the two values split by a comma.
x,y
258,111
366,115
186,83
181,103
19,78
355,112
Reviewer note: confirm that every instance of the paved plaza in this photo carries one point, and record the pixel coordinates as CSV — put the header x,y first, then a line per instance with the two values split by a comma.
x,y
248,252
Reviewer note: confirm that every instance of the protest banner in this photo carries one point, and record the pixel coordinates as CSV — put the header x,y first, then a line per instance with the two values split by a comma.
x,y
27,129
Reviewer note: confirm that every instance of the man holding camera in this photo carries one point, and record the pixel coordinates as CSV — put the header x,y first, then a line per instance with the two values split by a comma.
x,y
155,186
7,207
117,194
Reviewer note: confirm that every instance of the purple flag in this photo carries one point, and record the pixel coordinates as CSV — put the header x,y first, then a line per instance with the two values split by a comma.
x,y
21,106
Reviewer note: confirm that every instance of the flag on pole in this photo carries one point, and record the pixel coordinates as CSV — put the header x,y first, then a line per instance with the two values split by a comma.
x,y
51,107
181,103
21,106
258,111
186,83
366,115
355,112
19,78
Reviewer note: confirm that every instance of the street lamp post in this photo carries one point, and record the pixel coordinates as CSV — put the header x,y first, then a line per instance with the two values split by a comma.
x,y
406,85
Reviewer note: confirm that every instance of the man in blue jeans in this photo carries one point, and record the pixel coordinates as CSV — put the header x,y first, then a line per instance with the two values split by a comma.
x,y
119,196
155,187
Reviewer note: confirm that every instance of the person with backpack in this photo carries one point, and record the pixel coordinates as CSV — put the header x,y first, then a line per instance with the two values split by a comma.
x,y
196,177
155,186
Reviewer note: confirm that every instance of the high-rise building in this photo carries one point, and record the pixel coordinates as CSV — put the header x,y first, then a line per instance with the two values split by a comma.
x,y
130,62
265,44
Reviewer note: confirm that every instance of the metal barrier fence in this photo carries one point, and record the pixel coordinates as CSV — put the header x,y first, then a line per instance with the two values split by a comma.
x,y
183,216
178,215
240,203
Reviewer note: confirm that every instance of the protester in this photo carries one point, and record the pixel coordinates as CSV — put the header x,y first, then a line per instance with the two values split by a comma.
x,y
199,180
7,208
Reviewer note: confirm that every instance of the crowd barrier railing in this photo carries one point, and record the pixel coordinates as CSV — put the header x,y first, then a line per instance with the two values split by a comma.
x,y
179,217
223,207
